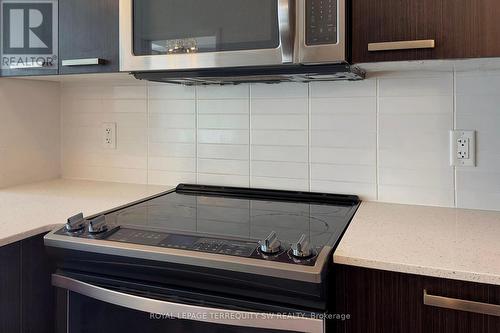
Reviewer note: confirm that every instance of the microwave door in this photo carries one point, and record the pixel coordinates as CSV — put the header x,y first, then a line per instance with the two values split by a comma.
x,y
158,35
321,32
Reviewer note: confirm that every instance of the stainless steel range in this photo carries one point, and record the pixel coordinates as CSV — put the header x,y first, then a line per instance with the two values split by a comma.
x,y
217,259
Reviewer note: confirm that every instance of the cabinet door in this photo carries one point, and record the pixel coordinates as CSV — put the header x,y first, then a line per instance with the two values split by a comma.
x,y
450,319
88,36
458,29
37,291
386,302
376,21
10,288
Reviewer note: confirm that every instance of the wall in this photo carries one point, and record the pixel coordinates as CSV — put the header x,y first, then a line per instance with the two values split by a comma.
x,y
29,131
385,138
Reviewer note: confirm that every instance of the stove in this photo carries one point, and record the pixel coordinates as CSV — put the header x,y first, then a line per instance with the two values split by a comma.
x,y
265,246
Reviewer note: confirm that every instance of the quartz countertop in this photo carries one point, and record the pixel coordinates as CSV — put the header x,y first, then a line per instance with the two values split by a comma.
x,y
33,209
439,242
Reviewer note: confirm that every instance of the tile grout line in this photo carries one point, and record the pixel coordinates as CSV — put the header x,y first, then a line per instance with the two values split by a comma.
x,y
196,126
454,115
148,134
309,134
249,135
377,139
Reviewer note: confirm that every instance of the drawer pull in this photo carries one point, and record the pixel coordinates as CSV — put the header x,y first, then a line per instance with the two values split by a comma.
x,y
83,62
462,305
403,45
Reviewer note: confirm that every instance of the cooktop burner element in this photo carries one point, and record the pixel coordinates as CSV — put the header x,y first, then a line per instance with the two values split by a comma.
x,y
222,227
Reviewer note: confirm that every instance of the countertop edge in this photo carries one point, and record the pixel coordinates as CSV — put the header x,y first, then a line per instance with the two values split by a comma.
x,y
27,234
418,270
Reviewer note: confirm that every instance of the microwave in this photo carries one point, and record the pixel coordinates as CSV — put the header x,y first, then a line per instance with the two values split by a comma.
x,y
199,40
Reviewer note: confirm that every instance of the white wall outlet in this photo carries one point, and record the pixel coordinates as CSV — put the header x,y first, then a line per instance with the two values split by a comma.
x,y
463,148
109,135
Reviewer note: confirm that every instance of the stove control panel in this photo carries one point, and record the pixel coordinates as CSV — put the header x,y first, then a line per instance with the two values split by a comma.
x,y
238,248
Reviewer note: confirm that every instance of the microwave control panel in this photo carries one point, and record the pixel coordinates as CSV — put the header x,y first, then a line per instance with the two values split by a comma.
x,y
321,22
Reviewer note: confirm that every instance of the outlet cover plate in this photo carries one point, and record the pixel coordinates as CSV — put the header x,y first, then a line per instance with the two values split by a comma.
x,y
109,135
463,148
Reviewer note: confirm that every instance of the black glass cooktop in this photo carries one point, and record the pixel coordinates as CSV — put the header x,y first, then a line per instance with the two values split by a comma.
x,y
242,218
230,220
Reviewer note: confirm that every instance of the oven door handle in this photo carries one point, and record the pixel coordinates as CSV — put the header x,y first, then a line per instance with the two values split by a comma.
x,y
191,312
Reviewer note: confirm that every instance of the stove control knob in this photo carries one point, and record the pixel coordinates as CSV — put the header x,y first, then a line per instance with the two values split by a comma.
x,y
270,245
302,249
75,223
98,225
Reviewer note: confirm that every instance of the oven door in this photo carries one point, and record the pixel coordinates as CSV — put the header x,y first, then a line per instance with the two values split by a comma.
x,y
95,304
158,35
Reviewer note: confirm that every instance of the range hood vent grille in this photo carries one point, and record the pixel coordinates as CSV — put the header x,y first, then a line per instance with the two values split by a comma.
x,y
287,73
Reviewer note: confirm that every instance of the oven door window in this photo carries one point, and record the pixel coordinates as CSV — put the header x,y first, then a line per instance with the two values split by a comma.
x,y
199,26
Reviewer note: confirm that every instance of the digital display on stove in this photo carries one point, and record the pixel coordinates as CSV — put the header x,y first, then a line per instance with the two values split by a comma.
x,y
184,242
179,241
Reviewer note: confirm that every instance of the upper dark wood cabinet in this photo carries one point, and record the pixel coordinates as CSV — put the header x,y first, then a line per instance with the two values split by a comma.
x,y
88,36
459,29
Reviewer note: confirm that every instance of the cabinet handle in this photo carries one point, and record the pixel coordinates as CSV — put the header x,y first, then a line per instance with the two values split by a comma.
x,y
403,45
83,62
462,305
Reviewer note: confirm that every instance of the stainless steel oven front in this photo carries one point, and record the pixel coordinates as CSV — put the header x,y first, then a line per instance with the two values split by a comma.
x,y
88,304
160,35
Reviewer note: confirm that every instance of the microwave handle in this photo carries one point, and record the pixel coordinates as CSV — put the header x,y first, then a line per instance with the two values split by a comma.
x,y
196,313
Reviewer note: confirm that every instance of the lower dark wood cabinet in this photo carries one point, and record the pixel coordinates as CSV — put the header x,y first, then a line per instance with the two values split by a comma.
x,y
10,288
386,302
26,293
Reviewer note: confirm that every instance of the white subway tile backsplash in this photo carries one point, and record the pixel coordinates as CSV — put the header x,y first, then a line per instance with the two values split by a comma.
x,y
241,91
343,139
344,173
237,137
415,117
416,105
344,89
281,91
223,121
347,156
366,191
280,153
223,151
339,122
436,84
278,122
279,106
177,164
170,91
169,178
385,138
280,169
477,108
430,196
478,83
172,149
223,107
172,106
280,183
224,180
223,166
280,138
172,135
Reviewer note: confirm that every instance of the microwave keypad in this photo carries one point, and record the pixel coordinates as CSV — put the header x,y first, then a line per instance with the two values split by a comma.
x,y
321,22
